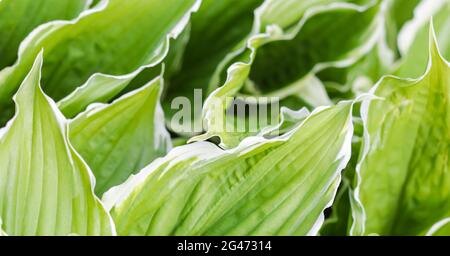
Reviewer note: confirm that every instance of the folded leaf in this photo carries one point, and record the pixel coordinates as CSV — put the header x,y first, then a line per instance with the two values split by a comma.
x,y
209,44
277,61
383,59
276,186
45,186
301,50
13,13
403,181
346,81
93,43
119,139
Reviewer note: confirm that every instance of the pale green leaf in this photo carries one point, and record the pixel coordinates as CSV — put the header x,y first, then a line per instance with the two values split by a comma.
x,y
121,138
281,63
92,43
403,176
277,186
45,186
415,58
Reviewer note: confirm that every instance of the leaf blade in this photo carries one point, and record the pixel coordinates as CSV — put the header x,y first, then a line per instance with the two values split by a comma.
x,y
14,30
199,189
119,139
46,187
75,50
406,135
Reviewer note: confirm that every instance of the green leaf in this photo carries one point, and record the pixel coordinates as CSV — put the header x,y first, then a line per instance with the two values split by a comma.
x,y
440,228
290,54
209,44
351,81
415,59
45,186
287,13
277,186
121,138
283,62
14,13
92,43
339,221
403,180
399,12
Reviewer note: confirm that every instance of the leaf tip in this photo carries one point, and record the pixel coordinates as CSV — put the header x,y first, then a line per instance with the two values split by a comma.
x,y
32,80
434,53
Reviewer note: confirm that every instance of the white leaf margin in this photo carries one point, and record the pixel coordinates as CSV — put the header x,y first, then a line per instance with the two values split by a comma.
x,y
120,80
438,225
64,129
275,33
358,213
123,80
206,151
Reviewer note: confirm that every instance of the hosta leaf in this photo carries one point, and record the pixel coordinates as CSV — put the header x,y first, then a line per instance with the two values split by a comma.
x,y
208,44
119,139
339,221
13,13
403,176
440,228
278,61
286,14
286,54
344,82
45,186
399,12
414,62
383,59
171,64
277,186
90,44
351,81
94,3
289,119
